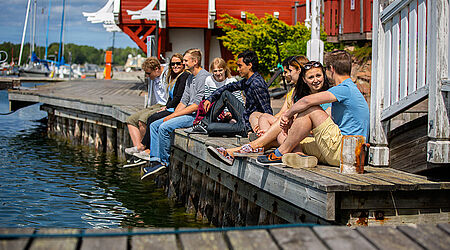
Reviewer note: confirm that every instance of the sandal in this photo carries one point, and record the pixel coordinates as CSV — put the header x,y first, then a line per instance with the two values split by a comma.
x,y
221,154
248,151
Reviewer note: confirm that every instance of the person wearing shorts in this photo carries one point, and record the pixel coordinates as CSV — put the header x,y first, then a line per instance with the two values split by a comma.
x,y
349,116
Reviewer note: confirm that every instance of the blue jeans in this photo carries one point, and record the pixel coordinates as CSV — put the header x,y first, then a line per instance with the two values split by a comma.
x,y
160,133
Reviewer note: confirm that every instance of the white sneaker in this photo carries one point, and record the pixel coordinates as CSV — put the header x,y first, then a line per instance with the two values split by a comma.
x,y
143,155
131,151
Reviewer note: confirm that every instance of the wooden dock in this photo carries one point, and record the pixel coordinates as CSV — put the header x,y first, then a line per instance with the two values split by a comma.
x,y
93,113
317,237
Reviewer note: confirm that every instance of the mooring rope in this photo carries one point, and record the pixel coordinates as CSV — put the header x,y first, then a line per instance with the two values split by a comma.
x,y
162,232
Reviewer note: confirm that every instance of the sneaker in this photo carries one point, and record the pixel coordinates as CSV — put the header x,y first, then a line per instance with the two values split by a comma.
x,y
221,154
134,162
153,171
197,129
269,159
144,155
248,151
294,160
131,151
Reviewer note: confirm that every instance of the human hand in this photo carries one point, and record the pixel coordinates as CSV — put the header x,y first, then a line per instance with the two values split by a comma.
x,y
225,116
286,122
167,118
206,105
163,108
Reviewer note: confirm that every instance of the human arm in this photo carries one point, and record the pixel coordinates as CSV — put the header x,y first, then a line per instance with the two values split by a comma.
x,y
182,109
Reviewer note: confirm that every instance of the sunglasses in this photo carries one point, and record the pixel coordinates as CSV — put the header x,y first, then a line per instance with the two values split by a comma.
x,y
311,64
175,64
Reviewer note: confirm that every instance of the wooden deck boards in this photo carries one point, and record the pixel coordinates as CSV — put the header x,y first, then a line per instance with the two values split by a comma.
x,y
428,236
321,191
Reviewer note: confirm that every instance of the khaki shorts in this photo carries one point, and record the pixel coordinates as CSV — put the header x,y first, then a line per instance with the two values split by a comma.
x,y
326,143
143,114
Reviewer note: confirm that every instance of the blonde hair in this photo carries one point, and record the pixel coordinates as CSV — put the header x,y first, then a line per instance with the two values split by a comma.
x,y
172,75
196,54
150,64
220,63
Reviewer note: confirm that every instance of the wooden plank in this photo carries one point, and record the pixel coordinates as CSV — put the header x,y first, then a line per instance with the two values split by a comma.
x,y
387,238
387,64
342,238
297,238
105,243
251,239
198,241
164,241
419,181
412,76
428,236
395,57
353,184
69,243
422,38
404,49
377,184
445,227
18,243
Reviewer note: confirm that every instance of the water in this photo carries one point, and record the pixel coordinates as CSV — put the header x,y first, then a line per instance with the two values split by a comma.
x,y
46,183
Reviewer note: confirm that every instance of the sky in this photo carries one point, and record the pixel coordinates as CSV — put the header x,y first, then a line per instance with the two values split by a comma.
x,y
77,29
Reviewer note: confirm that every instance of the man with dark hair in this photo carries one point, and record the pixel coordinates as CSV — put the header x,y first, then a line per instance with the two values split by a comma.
x,y
349,116
257,98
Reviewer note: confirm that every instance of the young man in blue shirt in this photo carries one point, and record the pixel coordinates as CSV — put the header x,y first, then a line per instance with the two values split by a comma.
x,y
349,116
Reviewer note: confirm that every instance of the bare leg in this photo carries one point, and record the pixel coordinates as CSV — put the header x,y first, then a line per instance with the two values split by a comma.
x,y
253,119
301,127
136,137
265,122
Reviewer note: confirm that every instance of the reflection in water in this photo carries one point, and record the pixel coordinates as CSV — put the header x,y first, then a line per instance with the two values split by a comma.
x,y
46,183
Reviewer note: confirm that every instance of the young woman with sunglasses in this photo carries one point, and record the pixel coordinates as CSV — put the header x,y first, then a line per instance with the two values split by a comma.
x,y
176,81
310,78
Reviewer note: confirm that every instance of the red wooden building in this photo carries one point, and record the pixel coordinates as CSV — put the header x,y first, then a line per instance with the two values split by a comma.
x,y
178,25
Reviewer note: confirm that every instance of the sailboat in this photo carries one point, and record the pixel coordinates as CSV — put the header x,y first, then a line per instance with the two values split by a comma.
x,y
36,66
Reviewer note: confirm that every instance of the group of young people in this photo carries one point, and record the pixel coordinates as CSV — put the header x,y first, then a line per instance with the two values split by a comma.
x,y
323,105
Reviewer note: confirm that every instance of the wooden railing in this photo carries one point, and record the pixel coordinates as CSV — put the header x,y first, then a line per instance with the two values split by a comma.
x,y
410,63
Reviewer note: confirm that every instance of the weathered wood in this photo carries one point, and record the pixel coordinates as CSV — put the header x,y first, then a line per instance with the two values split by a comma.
x,y
428,236
297,238
110,140
342,238
387,238
19,243
251,239
203,241
69,243
166,241
105,243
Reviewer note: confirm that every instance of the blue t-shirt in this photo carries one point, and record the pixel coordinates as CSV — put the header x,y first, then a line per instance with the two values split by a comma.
x,y
350,112
325,106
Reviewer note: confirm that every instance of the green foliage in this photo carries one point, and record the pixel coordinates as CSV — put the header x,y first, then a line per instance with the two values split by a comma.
x,y
362,53
259,34
80,53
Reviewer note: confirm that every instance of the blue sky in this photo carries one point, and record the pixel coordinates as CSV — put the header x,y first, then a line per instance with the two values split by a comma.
x,y
77,29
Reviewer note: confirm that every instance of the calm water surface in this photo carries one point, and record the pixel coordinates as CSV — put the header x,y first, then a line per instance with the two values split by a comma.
x,y
46,183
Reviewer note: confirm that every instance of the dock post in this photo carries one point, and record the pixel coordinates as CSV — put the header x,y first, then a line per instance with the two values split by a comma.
x,y
91,134
110,140
77,132
99,140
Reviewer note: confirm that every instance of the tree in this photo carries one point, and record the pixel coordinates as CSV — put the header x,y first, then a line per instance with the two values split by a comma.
x,y
259,34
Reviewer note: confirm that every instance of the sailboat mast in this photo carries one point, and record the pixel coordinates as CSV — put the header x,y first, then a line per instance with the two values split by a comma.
x,y
48,25
24,31
34,27
61,34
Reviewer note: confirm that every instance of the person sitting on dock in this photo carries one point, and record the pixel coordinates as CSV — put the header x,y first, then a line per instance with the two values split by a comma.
x,y
221,75
257,98
183,116
306,83
176,82
136,123
349,116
